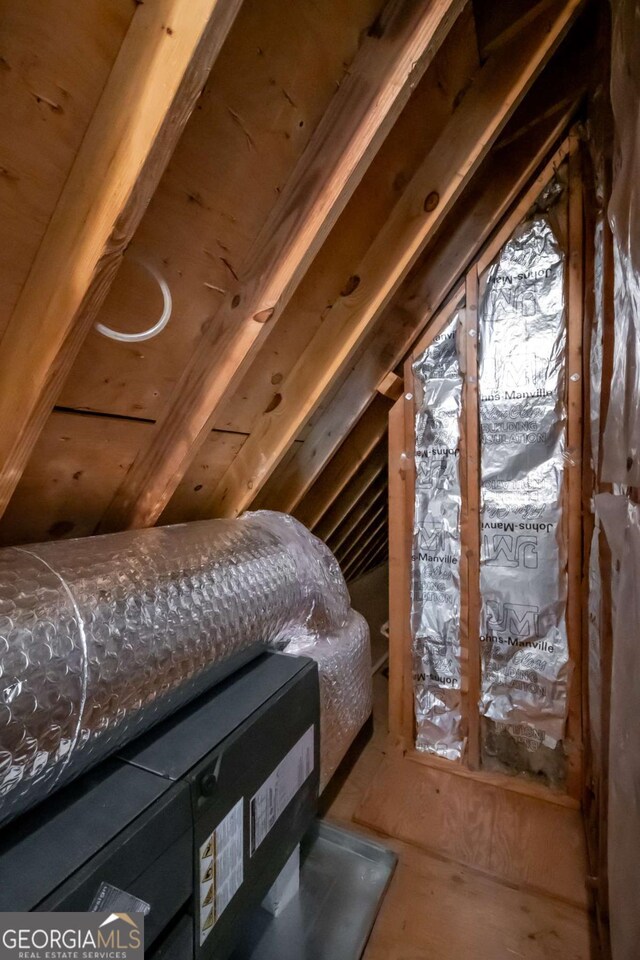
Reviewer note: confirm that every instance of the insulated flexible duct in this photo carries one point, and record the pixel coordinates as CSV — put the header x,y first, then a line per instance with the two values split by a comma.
x,y
102,637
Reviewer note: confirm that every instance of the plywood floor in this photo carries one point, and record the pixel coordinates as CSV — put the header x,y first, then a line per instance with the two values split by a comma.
x,y
438,908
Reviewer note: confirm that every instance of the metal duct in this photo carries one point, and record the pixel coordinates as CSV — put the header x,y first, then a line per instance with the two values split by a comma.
x,y
102,637
435,598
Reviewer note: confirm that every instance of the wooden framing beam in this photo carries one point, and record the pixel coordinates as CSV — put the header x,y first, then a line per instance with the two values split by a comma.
x,y
368,474
379,531
413,309
369,559
392,58
157,77
345,464
575,319
498,89
357,514
401,508
362,536
391,386
470,520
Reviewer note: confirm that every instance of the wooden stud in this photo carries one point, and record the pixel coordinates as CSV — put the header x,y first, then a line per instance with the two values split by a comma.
x,y
152,89
390,61
413,309
573,496
400,707
470,518
473,128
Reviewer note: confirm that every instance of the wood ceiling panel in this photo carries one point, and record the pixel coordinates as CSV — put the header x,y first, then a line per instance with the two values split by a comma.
x,y
417,128
76,467
266,94
47,97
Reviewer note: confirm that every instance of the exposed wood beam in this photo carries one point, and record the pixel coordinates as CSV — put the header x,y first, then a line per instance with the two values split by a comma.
x,y
378,553
400,543
391,386
345,464
370,544
368,474
496,92
372,521
502,180
498,23
369,501
163,62
393,56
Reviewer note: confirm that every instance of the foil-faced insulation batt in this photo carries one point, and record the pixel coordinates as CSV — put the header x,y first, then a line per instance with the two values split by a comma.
x,y
102,637
435,612
523,586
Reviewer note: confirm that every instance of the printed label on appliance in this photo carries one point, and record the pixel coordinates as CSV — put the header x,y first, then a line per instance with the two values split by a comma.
x,y
221,866
280,788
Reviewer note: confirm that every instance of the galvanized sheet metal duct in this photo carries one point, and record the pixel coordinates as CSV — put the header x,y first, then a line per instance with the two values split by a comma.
x,y
102,637
435,610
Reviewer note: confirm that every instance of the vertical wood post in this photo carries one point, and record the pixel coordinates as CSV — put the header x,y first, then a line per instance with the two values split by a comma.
x,y
470,520
573,499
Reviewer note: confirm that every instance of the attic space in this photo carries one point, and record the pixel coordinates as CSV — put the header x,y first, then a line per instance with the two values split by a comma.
x,y
319,479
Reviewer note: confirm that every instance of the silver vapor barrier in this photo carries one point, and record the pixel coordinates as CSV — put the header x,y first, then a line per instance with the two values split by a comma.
x,y
435,606
523,584
102,637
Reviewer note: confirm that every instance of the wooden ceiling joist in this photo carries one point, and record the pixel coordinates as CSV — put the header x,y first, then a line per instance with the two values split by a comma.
x,y
475,125
152,89
394,55
348,459
415,305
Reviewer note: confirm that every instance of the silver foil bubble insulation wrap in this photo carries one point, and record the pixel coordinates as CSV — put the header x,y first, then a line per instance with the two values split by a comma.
x,y
102,637
344,667
523,586
435,607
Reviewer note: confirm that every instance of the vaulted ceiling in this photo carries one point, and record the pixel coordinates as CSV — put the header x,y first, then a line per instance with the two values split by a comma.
x,y
309,180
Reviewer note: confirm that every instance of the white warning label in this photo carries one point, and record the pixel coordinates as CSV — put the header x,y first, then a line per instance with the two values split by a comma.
x,y
280,788
221,868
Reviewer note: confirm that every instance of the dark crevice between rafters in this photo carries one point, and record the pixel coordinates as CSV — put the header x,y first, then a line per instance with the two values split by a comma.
x,y
127,419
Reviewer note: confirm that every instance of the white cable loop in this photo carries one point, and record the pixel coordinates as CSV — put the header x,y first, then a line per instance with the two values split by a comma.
x,y
157,327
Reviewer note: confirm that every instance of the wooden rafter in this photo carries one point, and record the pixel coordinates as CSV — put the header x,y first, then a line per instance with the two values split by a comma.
x,y
370,500
417,301
497,90
378,554
371,522
152,89
370,546
394,55
346,462
364,480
